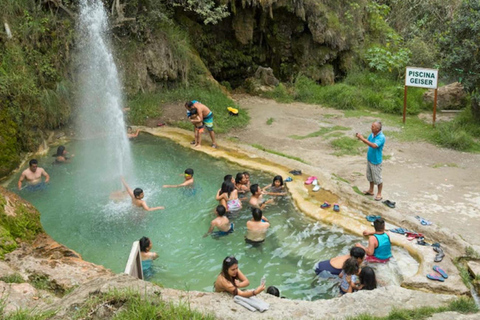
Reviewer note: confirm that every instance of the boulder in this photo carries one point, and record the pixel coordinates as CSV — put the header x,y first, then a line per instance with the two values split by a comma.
x,y
266,77
243,23
449,97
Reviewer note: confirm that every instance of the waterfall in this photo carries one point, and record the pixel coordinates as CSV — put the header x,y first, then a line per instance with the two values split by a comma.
x,y
100,119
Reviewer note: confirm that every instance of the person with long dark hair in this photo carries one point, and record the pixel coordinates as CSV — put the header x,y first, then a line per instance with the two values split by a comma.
x,y
228,197
61,155
231,279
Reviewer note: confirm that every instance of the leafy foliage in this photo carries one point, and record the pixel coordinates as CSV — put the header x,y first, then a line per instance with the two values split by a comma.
x,y
206,9
460,47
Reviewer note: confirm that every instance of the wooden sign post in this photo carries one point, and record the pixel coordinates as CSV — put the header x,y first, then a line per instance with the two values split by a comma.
x,y
422,78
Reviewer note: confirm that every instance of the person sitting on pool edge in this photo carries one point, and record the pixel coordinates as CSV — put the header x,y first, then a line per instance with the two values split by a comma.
x,y
231,279
379,245
146,255
137,197
221,222
334,266
256,200
188,180
257,227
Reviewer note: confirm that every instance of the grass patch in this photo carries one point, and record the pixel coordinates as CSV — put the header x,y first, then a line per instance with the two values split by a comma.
x,y
462,305
143,106
270,121
337,177
346,146
25,314
12,278
441,165
386,157
357,190
126,305
335,135
320,132
463,270
278,153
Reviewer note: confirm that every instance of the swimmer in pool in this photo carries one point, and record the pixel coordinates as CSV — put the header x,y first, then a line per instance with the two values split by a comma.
x,y
256,200
137,197
257,227
188,180
33,174
221,222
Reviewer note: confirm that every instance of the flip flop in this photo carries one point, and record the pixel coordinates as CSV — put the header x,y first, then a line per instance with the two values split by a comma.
x,y
389,204
310,180
296,172
440,271
372,218
336,207
160,124
423,221
366,193
325,205
440,254
435,277
378,199
288,179
398,230
316,188
414,234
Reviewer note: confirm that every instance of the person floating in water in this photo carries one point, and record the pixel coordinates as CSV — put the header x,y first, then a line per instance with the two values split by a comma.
x,y
137,197
256,200
257,227
61,155
147,255
131,134
33,174
276,188
221,222
188,180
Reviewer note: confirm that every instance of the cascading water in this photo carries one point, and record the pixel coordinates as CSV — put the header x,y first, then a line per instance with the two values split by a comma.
x,y
100,118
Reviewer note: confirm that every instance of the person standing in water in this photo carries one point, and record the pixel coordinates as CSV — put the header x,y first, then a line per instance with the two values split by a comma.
x,y
147,255
33,174
61,155
188,180
137,197
257,227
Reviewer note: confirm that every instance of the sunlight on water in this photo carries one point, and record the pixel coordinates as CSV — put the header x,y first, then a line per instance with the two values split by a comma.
x,y
76,211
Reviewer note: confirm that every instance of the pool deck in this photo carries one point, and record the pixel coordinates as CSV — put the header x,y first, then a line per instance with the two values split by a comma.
x,y
354,208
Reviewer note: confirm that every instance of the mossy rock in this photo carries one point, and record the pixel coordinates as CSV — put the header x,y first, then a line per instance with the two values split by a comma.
x,y
19,221
9,158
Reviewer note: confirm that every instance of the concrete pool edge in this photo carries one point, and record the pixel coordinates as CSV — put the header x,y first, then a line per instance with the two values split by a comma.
x,y
349,219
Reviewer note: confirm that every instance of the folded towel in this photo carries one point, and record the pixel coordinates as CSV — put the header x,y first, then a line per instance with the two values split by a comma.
x,y
256,303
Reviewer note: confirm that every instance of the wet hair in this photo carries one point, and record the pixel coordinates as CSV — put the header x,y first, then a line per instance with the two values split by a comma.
x,y
257,214
60,150
227,263
246,173
277,178
221,210
350,266
254,188
227,187
273,291
189,104
379,224
189,171
358,253
193,111
137,192
228,177
368,279
32,162
144,244
239,177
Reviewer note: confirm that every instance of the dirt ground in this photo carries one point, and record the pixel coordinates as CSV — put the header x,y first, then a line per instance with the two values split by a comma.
x,y
440,185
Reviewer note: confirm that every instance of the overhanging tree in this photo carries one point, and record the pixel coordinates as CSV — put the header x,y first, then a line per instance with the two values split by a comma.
x,y
460,48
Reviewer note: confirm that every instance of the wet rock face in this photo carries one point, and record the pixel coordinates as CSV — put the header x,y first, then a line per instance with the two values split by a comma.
x,y
449,97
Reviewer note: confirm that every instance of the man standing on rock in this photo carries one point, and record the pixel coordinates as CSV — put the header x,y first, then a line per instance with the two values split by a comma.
x,y
375,143
33,175
204,115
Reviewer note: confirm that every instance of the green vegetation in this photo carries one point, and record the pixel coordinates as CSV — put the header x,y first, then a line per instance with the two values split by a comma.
x,y
357,190
346,146
12,278
23,314
42,282
131,305
441,165
462,305
270,121
320,132
340,178
278,153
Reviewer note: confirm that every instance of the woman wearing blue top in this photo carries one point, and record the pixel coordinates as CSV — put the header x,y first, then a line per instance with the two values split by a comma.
x,y
147,256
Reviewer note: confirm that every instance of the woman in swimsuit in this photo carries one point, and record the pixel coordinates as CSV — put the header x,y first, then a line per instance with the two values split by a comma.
x,y
147,256
228,197
61,155
231,279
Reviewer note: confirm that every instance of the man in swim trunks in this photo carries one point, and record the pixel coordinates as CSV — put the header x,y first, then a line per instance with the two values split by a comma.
x,y
137,197
379,246
256,200
335,265
33,175
257,227
204,115
221,222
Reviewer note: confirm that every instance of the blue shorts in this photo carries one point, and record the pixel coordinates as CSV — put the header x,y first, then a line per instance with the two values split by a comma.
x,y
223,233
36,187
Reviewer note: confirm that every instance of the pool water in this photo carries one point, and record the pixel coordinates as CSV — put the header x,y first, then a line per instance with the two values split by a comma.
x,y
77,212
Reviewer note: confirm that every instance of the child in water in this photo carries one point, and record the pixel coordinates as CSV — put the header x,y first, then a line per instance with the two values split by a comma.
x,y
348,276
199,127
221,222
188,180
276,188
137,197
367,278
